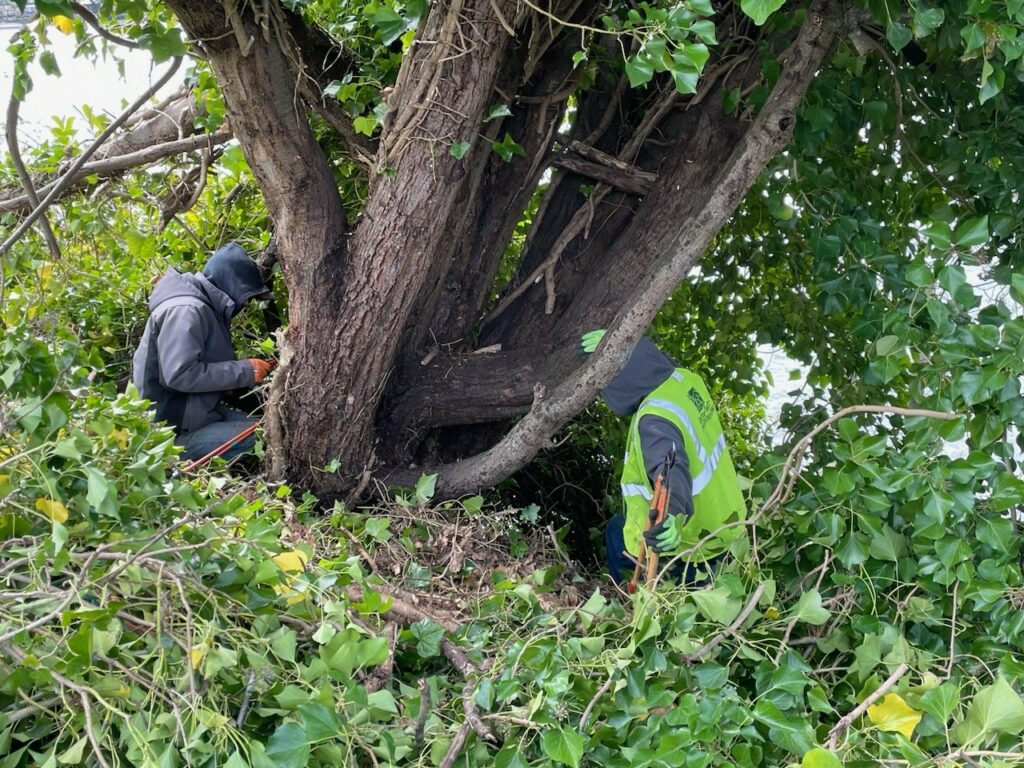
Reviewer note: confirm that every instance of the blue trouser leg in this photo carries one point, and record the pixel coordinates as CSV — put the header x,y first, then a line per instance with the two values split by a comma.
x,y
621,563
202,441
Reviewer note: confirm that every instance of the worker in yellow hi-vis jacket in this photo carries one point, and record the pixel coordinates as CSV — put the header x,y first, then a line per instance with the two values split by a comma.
x,y
670,410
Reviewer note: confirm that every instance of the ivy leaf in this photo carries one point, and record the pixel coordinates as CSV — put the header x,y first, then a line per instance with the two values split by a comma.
x,y
705,31
639,70
387,21
939,234
428,638
507,148
717,605
898,35
820,758
288,747
293,561
562,746
760,10
318,721
73,754
894,715
365,124
49,62
53,509
809,609
997,708
459,149
927,20
685,80
425,487
498,110
971,232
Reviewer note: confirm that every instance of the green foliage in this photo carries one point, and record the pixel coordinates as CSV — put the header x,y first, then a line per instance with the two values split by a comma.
x,y
209,622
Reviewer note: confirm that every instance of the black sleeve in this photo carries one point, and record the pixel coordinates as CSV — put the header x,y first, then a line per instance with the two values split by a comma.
x,y
657,436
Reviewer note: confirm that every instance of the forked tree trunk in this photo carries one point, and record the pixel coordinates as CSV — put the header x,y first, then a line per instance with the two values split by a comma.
x,y
393,312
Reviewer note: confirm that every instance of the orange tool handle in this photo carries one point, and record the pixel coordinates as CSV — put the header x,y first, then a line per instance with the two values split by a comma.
x,y
194,465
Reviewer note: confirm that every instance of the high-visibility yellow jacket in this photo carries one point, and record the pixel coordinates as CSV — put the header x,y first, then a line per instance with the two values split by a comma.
x,y
683,401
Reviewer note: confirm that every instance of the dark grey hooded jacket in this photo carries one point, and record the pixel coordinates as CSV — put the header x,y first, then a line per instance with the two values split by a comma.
x,y
185,361
648,367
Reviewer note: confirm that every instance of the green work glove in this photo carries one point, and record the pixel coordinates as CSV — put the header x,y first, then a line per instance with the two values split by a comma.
x,y
667,536
590,340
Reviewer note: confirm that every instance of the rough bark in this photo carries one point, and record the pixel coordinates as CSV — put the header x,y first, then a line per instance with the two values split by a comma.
x,y
707,212
390,312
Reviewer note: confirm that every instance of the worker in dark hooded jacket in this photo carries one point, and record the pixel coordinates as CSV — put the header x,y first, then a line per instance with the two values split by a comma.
x,y
671,414
185,361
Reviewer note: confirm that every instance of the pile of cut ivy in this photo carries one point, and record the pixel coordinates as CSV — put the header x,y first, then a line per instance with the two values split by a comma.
x,y
155,620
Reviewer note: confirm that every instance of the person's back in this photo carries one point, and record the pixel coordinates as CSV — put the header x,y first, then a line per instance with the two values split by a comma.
x,y
185,361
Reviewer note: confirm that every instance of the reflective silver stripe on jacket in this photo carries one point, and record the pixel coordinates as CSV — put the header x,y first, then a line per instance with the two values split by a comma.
x,y
701,481
635,489
683,417
709,463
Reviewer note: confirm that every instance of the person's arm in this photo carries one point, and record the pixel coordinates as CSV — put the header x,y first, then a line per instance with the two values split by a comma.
x,y
657,438
181,347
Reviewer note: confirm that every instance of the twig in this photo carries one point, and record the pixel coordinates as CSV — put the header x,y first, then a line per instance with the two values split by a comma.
x,y
102,31
711,644
593,701
13,107
243,710
952,633
87,710
114,164
473,715
792,622
67,178
424,713
456,747
791,468
383,673
847,721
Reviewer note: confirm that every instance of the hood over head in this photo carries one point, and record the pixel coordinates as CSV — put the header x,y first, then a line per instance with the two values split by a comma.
x,y
232,270
648,368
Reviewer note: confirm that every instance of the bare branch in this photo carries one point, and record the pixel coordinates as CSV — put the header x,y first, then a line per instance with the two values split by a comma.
x,y
66,180
102,31
116,164
711,644
13,107
847,721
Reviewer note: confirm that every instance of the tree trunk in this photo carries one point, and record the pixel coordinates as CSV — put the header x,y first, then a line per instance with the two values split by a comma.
x,y
388,342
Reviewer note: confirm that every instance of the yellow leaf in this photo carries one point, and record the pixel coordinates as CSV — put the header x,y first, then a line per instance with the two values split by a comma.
x,y
45,274
53,510
894,715
291,562
63,23
196,656
771,612
121,437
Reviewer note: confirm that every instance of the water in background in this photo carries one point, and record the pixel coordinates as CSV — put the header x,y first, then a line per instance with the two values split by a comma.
x,y
98,83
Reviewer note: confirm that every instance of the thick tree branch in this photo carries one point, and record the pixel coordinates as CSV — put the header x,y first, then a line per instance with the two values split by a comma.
x,y
767,135
632,180
114,165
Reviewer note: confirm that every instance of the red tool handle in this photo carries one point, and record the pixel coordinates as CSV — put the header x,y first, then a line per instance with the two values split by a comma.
x,y
194,465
